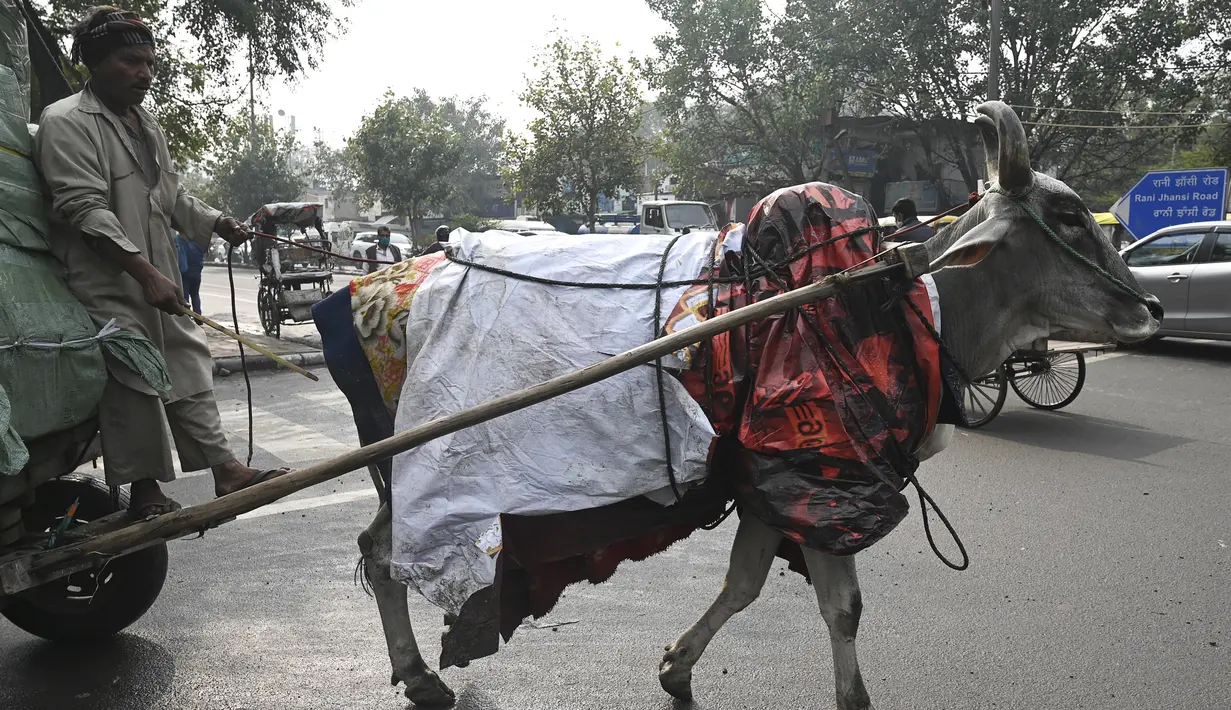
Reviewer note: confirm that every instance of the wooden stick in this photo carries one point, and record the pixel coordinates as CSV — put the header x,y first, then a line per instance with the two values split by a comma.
x,y
33,570
259,348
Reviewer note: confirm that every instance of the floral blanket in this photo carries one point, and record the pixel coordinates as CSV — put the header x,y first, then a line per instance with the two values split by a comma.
x,y
381,302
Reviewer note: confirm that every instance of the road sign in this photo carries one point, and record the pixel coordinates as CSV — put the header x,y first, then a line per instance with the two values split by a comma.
x,y
1164,198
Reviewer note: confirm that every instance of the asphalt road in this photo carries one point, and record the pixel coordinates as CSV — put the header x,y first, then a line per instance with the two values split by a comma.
x,y
216,302
1100,578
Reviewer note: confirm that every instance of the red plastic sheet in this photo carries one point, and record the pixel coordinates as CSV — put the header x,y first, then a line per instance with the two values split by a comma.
x,y
829,400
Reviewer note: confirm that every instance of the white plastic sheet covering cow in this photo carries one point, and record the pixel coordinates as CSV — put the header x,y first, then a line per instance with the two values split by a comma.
x,y
473,335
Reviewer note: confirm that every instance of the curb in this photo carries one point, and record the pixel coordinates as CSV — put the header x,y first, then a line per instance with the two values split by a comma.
x,y
231,364
237,267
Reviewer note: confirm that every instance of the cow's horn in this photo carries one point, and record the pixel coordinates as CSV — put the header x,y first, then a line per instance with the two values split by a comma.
x,y
1004,140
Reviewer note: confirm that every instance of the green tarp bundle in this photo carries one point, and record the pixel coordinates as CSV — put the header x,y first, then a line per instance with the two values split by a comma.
x,y
52,370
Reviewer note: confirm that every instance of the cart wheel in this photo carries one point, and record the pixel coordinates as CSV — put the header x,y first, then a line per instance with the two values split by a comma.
x,y
984,398
1050,382
271,313
94,603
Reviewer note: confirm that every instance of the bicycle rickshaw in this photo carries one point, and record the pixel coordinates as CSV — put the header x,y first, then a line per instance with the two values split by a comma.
x,y
293,278
1047,375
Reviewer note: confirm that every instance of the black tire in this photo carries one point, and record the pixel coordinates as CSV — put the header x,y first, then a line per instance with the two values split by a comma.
x,y
984,398
92,604
1052,382
269,310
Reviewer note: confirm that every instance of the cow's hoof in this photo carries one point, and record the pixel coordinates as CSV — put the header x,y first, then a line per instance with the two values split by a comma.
x,y
675,676
429,691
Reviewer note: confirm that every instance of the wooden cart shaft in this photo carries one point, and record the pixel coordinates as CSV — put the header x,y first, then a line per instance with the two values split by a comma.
x,y
109,537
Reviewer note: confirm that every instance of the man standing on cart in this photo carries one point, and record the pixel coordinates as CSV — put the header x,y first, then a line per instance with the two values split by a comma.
x,y
116,202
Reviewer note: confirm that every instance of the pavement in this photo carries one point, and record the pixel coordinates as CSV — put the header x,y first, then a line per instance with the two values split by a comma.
x,y
1101,564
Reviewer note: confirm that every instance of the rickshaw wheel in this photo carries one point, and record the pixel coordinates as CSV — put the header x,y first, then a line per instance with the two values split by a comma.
x,y
983,399
1051,382
270,312
93,603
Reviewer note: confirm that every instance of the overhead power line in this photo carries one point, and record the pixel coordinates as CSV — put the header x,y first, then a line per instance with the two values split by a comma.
x,y
1131,112
1122,127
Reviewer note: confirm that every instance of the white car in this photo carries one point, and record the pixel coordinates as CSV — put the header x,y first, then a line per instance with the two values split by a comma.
x,y
364,240
524,227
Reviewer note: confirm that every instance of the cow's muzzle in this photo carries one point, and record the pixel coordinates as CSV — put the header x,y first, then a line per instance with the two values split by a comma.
x,y
1155,307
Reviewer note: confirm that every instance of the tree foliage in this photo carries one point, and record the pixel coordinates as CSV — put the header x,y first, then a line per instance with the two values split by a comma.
x,y
1076,71
480,137
743,94
744,88
331,169
250,170
403,154
205,46
583,144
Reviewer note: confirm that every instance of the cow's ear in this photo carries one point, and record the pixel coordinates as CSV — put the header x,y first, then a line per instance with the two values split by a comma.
x,y
974,246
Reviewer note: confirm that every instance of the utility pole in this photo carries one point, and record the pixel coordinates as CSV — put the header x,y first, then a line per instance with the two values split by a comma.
x,y
251,96
993,52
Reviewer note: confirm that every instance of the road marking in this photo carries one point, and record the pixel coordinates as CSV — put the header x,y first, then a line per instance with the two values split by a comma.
x,y
281,437
1107,356
332,399
289,506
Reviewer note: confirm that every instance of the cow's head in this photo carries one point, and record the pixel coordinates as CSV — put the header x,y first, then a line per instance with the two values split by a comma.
x,y
1005,282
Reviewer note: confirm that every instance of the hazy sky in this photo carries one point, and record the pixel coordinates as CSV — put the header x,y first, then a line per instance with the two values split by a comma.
x,y
463,47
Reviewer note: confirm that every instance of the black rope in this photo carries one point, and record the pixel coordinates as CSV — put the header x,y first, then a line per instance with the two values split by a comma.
x,y
243,360
910,477
658,369
767,270
657,285
722,518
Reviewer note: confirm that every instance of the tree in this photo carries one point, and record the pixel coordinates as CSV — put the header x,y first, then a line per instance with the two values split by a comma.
x,y
253,170
331,169
743,96
480,135
402,156
583,144
1084,75
203,44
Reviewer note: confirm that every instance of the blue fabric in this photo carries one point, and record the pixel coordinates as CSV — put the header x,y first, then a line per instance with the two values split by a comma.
x,y
351,372
192,290
191,255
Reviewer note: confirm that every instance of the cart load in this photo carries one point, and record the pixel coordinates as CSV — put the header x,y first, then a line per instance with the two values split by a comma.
x,y
51,369
477,320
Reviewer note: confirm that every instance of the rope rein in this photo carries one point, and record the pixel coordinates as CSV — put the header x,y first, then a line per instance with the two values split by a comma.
x,y
1068,248
243,359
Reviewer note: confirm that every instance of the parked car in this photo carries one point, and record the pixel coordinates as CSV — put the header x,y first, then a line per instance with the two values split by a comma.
x,y
1188,267
524,227
359,245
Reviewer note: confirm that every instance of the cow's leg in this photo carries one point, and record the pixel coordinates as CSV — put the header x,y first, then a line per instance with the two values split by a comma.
x,y
751,557
837,592
423,686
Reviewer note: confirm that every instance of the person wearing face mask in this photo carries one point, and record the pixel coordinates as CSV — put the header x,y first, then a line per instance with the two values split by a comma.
x,y
382,251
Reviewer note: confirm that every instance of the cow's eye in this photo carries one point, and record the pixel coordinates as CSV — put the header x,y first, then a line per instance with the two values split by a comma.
x,y
1070,219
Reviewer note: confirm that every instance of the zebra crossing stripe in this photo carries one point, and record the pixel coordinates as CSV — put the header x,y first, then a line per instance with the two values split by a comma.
x,y
281,437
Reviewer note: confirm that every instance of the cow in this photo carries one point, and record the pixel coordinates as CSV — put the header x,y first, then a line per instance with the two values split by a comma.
x,y
1027,260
